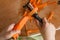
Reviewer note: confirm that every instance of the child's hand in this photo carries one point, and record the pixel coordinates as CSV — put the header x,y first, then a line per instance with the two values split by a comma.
x,y
9,33
48,30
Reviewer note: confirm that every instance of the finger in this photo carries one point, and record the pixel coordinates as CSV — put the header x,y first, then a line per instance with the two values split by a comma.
x,y
10,34
11,27
45,20
58,28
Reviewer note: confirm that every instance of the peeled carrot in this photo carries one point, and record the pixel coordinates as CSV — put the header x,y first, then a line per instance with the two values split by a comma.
x,y
39,1
45,4
20,25
32,31
22,22
31,1
50,15
42,5
33,11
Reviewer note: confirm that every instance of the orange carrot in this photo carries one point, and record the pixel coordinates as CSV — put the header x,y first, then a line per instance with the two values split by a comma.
x,y
22,22
20,25
50,15
39,1
42,5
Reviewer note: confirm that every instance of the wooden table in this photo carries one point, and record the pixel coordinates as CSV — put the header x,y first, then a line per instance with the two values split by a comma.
x,y
11,11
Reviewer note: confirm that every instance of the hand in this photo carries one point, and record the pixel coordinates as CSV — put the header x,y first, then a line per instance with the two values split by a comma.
x,y
48,30
9,33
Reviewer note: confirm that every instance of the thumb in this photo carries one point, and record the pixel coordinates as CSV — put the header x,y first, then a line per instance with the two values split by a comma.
x,y
10,34
45,21
10,27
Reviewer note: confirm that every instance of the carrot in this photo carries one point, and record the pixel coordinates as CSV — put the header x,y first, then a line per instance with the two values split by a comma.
x,y
50,15
22,22
42,5
31,1
33,11
39,1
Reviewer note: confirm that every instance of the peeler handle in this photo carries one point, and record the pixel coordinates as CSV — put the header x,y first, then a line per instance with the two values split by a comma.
x,y
37,17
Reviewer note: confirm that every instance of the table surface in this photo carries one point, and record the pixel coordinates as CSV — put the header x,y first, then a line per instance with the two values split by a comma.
x,y
11,11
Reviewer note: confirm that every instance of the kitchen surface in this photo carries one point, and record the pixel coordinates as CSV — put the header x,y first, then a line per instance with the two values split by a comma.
x,y
11,11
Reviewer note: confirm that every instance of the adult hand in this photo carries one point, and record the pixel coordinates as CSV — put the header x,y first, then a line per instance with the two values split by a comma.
x,y
48,30
9,33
